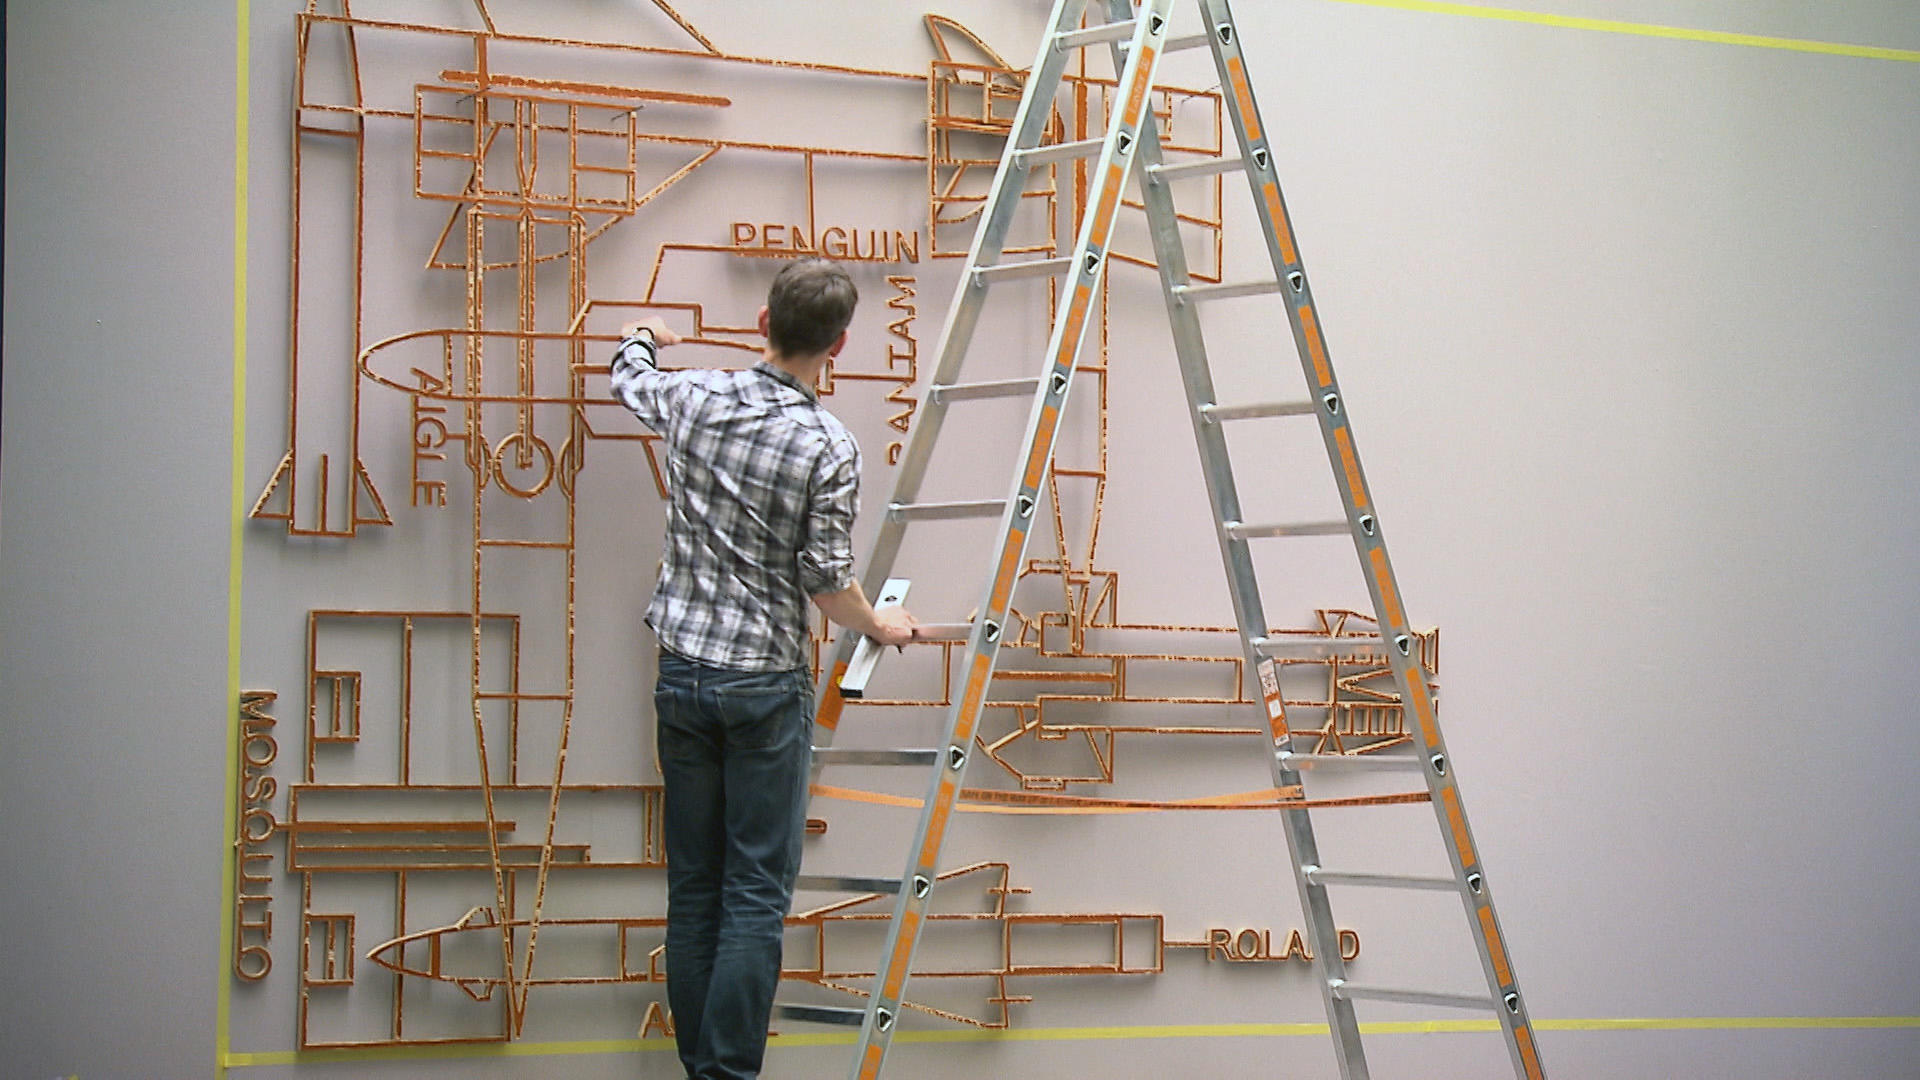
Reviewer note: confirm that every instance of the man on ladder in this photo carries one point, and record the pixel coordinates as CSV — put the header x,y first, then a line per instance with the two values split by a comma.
x,y
764,489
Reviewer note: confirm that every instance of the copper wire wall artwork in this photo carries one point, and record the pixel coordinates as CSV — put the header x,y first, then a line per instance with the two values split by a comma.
x,y
410,819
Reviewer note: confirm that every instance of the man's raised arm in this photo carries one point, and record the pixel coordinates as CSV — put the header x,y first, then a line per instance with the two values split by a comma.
x,y
635,371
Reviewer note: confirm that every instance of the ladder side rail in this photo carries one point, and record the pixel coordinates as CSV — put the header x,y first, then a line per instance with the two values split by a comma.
x,y
1003,200
1195,375
1369,543
1115,160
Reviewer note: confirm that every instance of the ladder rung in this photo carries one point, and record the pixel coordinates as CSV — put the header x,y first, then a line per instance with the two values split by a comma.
x,y
827,755
1349,992
969,391
1356,762
1254,411
1187,170
1278,646
1178,44
1318,876
1044,155
1242,531
1224,292
1093,35
821,1014
942,631
840,883
985,275
938,511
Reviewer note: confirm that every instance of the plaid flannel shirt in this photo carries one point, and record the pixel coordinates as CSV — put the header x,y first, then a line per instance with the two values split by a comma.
x,y
764,485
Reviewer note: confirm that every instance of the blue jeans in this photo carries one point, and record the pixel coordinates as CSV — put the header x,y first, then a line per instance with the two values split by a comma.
x,y
735,750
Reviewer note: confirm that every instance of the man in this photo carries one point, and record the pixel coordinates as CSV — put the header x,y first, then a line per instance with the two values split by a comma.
x,y
765,484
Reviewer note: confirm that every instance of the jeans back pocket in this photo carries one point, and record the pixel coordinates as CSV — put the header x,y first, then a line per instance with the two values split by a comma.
x,y
763,712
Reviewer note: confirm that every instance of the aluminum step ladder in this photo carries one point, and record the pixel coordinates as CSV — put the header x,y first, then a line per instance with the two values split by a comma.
x,y
1138,37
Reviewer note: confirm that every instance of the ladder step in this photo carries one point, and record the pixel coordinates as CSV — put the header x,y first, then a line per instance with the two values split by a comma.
x,y
1224,292
841,883
1355,762
970,391
940,511
984,275
1178,44
828,755
1347,991
1318,876
1240,530
1094,35
1315,645
1067,151
1255,411
1187,170
942,631
821,1014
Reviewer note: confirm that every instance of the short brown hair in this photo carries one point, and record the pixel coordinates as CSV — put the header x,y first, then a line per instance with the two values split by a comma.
x,y
809,306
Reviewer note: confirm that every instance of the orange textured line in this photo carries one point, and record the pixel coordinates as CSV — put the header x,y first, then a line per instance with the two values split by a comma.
x,y
1131,116
1282,229
1243,96
1004,577
1322,373
1075,326
1390,611
1350,464
976,685
937,824
1042,444
1109,200
1529,1057
1457,821
902,950
1423,709
1495,949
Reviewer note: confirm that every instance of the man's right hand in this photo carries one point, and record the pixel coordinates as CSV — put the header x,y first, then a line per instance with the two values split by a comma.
x,y
892,626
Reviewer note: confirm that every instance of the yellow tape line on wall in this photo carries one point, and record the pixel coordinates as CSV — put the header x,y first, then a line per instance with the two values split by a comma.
x,y
227,1059
1085,1034
1613,26
222,1036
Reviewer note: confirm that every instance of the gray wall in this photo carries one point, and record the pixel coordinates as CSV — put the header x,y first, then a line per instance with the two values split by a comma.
x,y
1627,325
119,309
